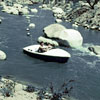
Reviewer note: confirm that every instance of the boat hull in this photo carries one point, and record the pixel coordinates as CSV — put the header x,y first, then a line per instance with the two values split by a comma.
x,y
47,58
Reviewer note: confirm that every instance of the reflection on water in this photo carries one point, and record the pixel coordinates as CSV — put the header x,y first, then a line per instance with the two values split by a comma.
x,y
82,66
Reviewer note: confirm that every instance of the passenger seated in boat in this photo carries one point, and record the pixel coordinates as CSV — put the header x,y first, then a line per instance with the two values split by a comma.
x,y
49,46
42,48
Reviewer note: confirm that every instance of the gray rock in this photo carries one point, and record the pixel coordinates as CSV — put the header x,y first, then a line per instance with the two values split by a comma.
x,y
2,55
58,20
34,10
53,28
68,36
44,6
32,25
46,40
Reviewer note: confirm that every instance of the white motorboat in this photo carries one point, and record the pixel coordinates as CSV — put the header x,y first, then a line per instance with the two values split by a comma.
x,y
53,55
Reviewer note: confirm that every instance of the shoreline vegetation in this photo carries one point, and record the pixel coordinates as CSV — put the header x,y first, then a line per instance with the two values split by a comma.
x,y
13,90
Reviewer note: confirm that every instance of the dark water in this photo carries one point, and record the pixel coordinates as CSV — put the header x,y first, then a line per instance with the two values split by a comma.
x,y
82,67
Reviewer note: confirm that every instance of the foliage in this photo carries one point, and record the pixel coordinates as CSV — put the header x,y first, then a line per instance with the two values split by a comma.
x,y
53,94
8,88
92,3
30,88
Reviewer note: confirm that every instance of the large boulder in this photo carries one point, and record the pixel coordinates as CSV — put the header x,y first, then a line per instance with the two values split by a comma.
x,y
2,55
53,29
95,49
70,37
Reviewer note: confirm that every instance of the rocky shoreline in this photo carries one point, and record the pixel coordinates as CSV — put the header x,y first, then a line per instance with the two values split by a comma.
x,y
11,89
79,13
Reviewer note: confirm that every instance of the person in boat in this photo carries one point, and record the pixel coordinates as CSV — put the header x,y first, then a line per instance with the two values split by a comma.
x,y
42,48
49,46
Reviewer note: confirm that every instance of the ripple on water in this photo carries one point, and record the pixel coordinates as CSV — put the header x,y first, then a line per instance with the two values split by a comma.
x,y
83,55
3,41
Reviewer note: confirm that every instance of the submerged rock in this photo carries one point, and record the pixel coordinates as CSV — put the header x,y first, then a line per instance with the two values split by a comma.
x,y
0,21
95,49
69,37
27,29
31,25
2,55
28,34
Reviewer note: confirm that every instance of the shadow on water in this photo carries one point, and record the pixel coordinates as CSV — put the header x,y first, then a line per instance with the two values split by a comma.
x,y
82,67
